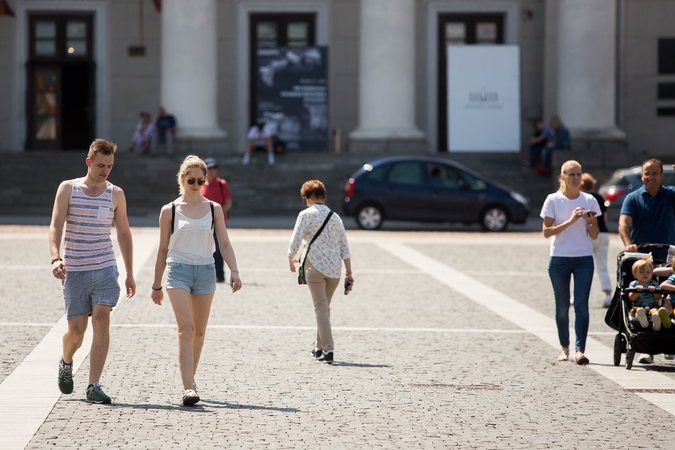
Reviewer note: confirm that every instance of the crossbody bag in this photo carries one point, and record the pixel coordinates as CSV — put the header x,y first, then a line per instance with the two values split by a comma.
x,y
301,271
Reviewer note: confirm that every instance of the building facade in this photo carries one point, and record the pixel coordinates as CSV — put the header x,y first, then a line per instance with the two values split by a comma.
x,y
72,70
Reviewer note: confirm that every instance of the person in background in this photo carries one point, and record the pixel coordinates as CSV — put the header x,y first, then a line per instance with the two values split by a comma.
x,y
601,243
186,245
561,141
142,137
542,136
259,138
216,189
322,262
165,129
570,221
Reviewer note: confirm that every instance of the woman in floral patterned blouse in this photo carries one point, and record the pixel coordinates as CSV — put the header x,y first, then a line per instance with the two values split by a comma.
x,y
323,263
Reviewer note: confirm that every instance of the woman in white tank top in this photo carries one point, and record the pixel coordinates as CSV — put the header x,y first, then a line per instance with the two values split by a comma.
x,y
186,246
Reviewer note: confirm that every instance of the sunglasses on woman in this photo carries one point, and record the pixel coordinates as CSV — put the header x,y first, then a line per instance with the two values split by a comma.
x,y
200,181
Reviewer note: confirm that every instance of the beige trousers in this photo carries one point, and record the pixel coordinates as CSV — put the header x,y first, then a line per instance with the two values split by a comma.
x,y
322,289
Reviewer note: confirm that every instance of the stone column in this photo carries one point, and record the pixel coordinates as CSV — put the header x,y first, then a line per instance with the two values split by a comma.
x,y
387,78
189,67
586,65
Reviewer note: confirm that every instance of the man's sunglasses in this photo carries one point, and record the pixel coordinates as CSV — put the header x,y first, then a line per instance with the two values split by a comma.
x,y
200,181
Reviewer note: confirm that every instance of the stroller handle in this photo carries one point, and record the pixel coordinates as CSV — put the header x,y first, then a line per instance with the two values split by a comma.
x,y
655,291
649,246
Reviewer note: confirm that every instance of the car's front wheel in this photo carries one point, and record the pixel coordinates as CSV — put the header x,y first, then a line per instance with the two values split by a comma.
x,y
494,219
369,217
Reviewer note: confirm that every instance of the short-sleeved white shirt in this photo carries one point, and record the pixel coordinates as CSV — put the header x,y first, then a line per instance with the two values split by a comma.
x,y
259,137
574,240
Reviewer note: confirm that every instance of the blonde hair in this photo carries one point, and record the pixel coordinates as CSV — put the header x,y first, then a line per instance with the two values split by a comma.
x,y
101,146
567,165
587,182
640,263
189,163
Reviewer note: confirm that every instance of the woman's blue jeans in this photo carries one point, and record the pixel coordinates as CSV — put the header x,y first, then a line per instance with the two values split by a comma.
x,y
561,270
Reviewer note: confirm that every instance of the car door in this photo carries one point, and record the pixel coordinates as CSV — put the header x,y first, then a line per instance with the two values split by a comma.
x,y
407,197
454,197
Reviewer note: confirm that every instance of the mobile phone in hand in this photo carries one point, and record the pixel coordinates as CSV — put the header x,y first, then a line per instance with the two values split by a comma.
x,y
348,287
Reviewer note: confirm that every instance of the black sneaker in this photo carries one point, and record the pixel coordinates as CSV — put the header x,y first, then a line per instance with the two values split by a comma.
x,y
65,377
95,394
326,357
316,352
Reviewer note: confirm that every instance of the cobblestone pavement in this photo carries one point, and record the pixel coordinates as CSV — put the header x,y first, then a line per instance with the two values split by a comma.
x,y
418,365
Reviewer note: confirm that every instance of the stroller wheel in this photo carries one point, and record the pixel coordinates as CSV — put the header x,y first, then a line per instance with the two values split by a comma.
x,y
618,349
630,354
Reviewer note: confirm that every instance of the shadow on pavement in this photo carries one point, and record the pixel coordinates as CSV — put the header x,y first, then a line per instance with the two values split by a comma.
x,y
349,364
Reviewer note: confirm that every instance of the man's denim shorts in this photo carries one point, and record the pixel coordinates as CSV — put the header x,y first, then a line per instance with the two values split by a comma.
x,y
82,290
197,280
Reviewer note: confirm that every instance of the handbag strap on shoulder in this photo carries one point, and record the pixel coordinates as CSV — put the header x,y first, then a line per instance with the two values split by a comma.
x,y
316,236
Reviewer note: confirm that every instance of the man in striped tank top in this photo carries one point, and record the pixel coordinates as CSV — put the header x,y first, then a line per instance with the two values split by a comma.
x,y
88,271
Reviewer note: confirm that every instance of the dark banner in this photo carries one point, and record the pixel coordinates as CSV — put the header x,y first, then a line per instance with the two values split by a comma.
x,y
292,95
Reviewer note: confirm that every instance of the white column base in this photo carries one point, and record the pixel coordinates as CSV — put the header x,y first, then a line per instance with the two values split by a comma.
x,y
404,133
200,133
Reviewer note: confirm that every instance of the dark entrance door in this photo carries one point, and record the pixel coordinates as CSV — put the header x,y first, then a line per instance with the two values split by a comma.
x,y
461,29
60,103
277,30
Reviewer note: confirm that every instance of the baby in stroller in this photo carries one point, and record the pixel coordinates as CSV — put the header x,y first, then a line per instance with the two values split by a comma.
x,y
645,301
669,285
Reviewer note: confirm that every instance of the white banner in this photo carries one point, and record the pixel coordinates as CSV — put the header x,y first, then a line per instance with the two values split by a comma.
x,y
483,98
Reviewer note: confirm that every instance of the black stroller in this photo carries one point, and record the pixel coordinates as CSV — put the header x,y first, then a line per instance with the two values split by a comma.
x,y
631,339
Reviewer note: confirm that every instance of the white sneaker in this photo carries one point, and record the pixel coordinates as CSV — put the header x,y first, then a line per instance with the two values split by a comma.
x,y
656,322
270,159
646,359
246,159
642,317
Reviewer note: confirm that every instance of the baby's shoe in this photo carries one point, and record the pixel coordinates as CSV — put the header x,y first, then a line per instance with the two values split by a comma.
x,y
656,321
665,320
642,317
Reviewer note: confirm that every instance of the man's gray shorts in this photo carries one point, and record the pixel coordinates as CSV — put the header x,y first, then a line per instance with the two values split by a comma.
x,y
82,290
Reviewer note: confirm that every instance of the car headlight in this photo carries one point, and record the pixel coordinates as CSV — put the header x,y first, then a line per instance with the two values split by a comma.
x,y
520,198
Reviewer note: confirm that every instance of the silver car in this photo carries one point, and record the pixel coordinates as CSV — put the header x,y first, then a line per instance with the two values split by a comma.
x,y
625,181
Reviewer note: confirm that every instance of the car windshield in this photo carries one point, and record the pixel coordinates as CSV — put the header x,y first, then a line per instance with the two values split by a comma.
x,y
474,183
618,179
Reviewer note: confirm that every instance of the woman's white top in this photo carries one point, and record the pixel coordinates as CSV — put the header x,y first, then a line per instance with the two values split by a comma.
x,y
574,240
192,240
329,249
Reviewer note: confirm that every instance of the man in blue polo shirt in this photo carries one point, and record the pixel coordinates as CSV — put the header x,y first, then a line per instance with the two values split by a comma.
x,y
648,215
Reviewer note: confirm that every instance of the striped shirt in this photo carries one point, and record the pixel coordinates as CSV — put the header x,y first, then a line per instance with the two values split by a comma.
x,y
87,244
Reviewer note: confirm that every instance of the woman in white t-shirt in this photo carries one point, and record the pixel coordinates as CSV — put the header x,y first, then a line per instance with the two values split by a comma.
x,y
186,246
570,221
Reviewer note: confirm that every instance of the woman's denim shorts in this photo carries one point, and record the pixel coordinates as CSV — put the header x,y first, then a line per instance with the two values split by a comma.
x,y
197,280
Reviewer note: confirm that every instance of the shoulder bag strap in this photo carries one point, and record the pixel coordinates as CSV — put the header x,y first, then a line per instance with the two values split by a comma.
x,y
173,215
316,236
213,219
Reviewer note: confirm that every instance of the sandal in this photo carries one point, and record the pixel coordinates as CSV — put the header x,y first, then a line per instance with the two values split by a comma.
x,y
580,358
564,354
